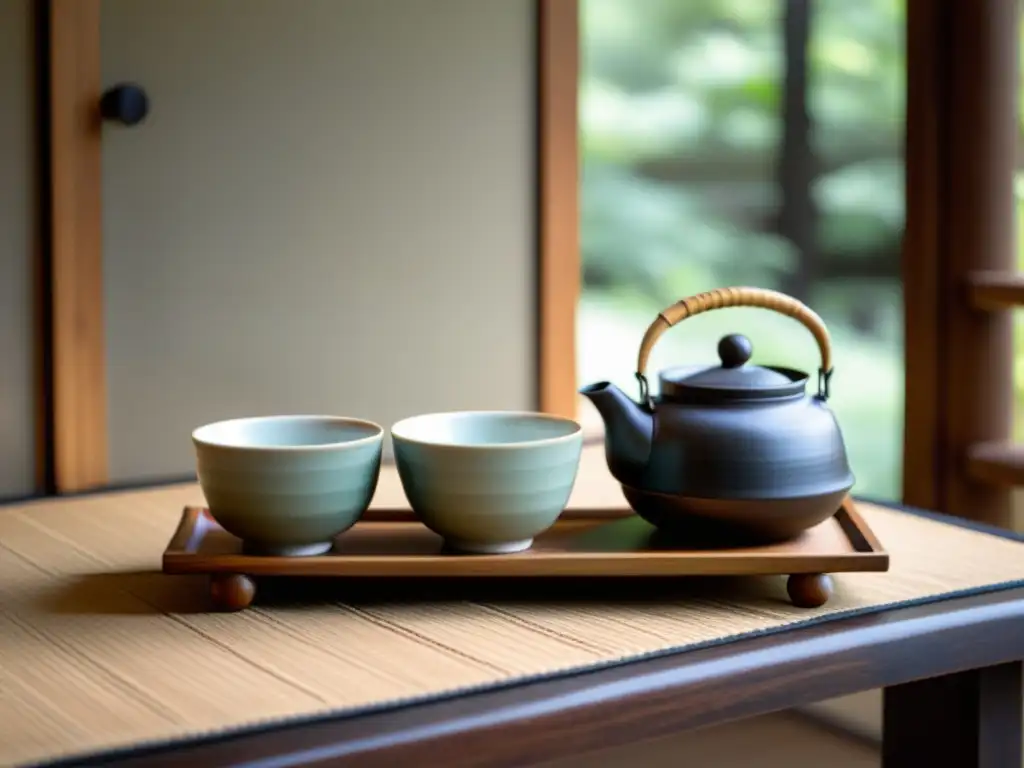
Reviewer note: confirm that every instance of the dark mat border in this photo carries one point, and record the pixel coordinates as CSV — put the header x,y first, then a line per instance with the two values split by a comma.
x,y
150,749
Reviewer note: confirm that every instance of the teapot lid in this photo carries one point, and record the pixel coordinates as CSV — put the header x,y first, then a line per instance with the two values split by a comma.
x,y
733,379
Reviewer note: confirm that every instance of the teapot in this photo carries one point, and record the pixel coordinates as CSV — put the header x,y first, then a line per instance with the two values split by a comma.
x,y
730,451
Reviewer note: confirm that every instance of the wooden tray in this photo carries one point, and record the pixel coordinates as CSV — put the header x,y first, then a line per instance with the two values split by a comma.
x,y
583,543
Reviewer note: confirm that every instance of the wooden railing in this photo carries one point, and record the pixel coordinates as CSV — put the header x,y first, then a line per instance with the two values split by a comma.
x,y
998,463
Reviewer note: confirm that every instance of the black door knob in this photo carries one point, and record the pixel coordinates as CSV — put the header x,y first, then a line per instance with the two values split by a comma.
x,y
124,103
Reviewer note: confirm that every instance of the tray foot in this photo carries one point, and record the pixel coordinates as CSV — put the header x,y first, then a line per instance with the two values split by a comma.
x,y
809,590
232,591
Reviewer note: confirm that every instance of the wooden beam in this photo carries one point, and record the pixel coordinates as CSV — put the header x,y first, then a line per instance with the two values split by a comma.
x,y
980,221
995,291
79,389
924,420
998,464
559,242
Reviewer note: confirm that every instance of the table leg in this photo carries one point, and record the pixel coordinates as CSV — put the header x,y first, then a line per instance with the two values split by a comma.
x,y
970,719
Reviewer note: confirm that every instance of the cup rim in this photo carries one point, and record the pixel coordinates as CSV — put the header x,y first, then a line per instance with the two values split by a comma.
x,y
397,427
199,440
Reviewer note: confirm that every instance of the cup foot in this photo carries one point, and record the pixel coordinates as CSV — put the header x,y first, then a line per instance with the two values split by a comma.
x,y
287,550
483,548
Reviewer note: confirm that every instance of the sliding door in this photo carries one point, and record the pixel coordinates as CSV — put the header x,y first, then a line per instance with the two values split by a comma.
x,y
328,207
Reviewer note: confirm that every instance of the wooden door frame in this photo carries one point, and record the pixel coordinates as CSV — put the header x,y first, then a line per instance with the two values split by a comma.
x,y
78,386
77,411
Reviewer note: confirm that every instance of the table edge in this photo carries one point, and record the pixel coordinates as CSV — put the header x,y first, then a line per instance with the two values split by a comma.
x,y
569,713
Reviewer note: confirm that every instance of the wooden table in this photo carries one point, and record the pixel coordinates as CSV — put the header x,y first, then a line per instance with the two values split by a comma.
x,y
951,671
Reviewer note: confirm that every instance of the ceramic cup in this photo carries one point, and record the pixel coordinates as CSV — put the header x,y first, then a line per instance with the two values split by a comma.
x,y
488,482
287,485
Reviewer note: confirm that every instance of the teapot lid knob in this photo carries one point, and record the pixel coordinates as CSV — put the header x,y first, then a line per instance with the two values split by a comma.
x,y
734,350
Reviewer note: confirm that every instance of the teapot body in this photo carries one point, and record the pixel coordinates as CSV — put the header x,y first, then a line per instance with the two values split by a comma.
x,y
752,451
735,450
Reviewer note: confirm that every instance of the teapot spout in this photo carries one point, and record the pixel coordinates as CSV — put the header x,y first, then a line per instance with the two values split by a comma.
x,y
628,431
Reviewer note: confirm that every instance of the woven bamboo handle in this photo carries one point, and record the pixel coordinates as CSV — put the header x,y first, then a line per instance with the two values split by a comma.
x,y
721,298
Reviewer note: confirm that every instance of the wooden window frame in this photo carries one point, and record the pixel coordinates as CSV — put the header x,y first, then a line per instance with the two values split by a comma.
x,y
76,417
959,257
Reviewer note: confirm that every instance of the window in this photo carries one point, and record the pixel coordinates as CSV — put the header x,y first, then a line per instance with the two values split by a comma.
x,y
859,156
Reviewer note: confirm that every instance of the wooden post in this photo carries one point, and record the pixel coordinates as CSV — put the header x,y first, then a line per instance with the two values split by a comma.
x,y
78,334
961,145
559,224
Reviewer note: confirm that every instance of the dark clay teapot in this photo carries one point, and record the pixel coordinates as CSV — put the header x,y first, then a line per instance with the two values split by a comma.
x,y
733,451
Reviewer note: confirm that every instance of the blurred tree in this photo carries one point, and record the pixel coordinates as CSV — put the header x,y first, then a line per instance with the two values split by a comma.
x,y
798,214
683,123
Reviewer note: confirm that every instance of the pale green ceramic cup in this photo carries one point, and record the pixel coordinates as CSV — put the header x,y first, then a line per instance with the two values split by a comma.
x,y
488,482
287,485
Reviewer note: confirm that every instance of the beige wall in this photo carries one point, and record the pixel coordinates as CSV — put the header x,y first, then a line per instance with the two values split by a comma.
x,y
329,210
17,241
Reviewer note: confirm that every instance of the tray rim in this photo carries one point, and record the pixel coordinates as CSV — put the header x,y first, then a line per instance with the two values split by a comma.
x,y
870,556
